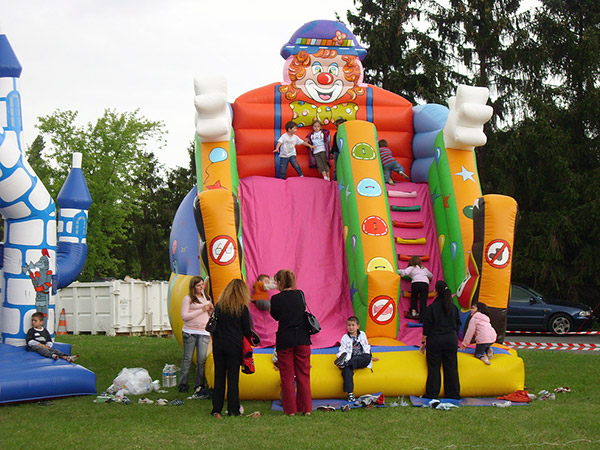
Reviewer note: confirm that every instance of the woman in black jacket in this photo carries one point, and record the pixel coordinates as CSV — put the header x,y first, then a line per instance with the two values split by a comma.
x,y
440,335
233,323
292,343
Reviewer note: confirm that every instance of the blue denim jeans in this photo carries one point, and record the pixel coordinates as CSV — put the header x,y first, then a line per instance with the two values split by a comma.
x,y
191,342
390,167
46,352
283,164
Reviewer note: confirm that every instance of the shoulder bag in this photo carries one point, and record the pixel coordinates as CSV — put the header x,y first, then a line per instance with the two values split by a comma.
x,y
211,325
312,324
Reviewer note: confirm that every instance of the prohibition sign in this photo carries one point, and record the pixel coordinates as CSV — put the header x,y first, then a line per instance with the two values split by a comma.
x,y
497,253
222,250
382,310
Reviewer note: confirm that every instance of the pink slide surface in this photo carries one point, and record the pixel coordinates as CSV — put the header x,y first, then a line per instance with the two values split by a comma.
x,y
296,224
409,335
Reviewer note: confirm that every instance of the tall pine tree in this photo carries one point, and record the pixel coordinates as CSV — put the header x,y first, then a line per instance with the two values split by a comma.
x,y
550,161
477,38
401,57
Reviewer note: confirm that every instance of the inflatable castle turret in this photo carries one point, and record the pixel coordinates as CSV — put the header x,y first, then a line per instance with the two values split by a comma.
x,y
34,260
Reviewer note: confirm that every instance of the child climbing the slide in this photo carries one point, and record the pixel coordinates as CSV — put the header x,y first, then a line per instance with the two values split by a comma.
x,y
319,139
354,353
389,163
485,335
286,147
38,340
420,277
261,287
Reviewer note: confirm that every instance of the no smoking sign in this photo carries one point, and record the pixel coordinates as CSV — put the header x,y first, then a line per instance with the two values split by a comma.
x,y
382,310
497,253
222,250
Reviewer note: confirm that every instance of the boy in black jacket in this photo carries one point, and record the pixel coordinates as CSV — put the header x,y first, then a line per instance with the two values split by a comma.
x,y
39,340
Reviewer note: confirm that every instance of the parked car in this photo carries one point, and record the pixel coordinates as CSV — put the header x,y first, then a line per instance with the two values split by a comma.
x,y
531,311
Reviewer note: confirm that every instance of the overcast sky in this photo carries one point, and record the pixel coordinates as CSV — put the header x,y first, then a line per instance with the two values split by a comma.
x,y
89,55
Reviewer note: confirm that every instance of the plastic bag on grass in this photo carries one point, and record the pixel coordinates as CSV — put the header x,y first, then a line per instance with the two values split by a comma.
x,y
135,381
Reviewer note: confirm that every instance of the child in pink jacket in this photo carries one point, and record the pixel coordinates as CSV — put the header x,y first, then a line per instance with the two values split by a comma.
x,y
481,328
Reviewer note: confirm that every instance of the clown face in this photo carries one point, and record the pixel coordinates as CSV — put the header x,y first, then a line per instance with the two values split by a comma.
x,y
324,81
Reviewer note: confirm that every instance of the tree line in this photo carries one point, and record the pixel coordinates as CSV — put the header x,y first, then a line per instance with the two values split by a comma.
x,y
541,64
134,196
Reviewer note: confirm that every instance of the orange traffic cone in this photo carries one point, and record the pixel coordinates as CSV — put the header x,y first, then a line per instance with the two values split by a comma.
x,y
62,323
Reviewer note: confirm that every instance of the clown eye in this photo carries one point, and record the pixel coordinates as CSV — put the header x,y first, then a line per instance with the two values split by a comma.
x,y
317,68
334,69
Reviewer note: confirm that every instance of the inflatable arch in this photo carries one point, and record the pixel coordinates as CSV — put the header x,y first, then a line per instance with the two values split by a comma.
x,y
40,254
345,241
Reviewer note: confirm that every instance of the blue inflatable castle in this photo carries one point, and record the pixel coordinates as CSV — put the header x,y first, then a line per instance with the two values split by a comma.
x,y
41,253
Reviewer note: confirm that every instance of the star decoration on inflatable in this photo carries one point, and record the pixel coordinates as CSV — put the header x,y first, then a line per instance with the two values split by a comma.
x,y
435,195
446,197
466,174
348,192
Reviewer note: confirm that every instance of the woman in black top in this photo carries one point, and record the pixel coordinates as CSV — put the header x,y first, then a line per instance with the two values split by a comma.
x,y
292,343
440,334
233,323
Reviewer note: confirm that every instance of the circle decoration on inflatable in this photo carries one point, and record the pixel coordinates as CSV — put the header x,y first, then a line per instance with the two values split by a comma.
x,y
368,187
363,150
380,263
374,226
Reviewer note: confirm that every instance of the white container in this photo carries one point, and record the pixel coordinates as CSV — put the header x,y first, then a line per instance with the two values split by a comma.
x,y
115,307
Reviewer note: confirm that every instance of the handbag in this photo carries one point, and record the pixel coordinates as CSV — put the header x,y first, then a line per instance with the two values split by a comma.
x,y
312,324
211,325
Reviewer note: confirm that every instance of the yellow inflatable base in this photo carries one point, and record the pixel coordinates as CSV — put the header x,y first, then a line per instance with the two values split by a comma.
x,y
395,374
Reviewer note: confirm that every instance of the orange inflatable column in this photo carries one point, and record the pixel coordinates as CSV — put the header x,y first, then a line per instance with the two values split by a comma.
x,y
217,218
498,215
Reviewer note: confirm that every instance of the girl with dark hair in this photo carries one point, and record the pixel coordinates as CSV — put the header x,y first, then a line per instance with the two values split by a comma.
x,y
233,323
195,312
292,343
485,335
440,336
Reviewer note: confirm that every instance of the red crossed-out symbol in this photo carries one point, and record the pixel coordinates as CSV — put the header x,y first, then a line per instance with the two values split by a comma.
x,y
497,253
222,250
382,309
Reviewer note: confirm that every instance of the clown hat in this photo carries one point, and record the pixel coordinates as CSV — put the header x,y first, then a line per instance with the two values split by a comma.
x,y
323,34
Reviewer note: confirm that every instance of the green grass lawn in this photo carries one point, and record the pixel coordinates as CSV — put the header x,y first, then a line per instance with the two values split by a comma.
x,y
569,422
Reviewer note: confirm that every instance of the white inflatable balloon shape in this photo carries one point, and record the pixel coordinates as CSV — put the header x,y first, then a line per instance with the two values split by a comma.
x,y
213,116
468,113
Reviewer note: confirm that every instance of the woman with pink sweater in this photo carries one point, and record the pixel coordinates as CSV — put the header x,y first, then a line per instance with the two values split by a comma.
x,y
195,312
485,335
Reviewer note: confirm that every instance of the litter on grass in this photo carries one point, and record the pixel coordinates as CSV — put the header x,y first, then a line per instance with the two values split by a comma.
x,y
135,381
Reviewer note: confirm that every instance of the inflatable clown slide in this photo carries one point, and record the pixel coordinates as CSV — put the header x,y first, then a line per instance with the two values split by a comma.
x,y
345,240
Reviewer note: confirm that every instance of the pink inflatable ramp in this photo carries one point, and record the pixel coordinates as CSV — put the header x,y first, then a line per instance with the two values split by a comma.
x,y
296,224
